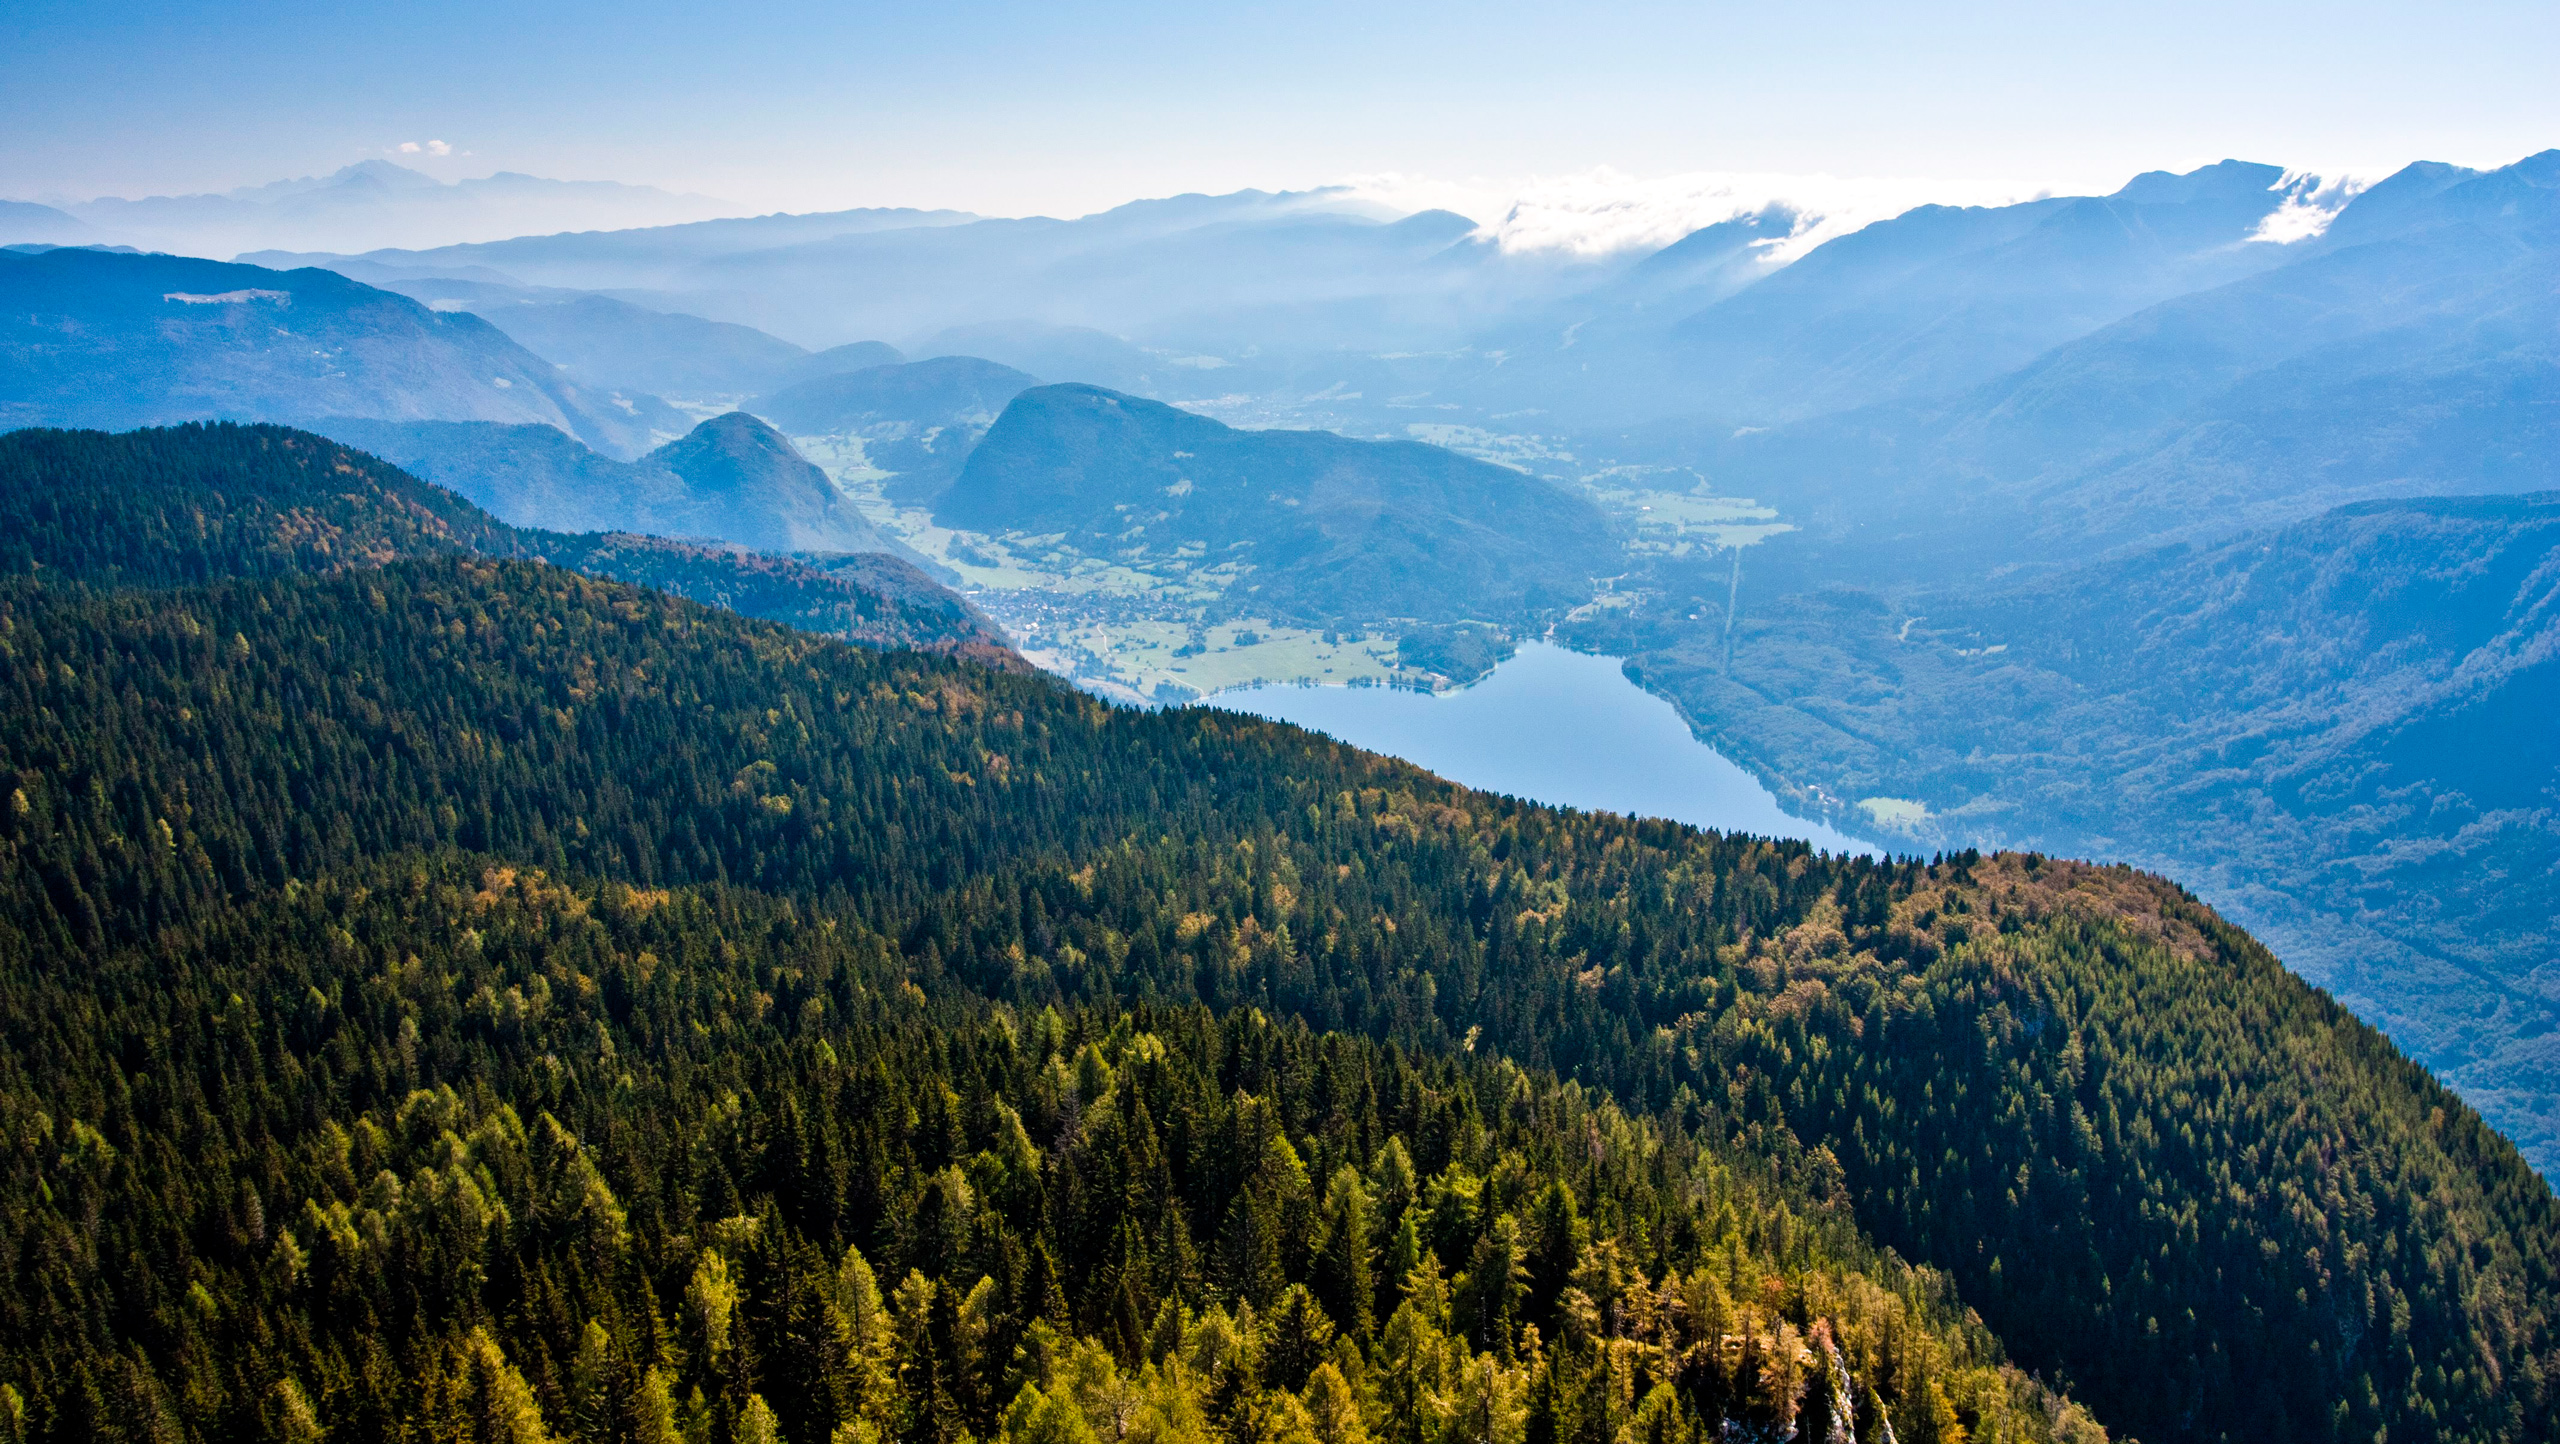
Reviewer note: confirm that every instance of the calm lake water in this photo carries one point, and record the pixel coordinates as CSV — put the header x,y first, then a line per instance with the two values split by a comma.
x,y
1554,725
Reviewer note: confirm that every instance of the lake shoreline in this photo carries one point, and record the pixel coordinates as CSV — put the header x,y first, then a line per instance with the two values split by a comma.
x,y
1554,726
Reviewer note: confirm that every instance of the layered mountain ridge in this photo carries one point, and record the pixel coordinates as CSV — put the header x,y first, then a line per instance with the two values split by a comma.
x,y
732,478
93,338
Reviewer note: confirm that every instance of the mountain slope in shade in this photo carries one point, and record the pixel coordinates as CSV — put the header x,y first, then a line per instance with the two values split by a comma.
x,y
24,221
525,475
191,504
91,338
744,482
1708,332
605,342
919,421
730,479
1330,527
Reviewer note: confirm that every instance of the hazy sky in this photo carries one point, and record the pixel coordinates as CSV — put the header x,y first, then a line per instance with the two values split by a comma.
x,y
1010,108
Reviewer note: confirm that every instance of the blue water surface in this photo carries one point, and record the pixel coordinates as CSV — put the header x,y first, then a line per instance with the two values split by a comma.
x,y
1554,725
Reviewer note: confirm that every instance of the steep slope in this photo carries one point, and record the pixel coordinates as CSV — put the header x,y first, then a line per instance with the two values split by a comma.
x,y
1331,528
744,482
525,475
2339,730
2147,1155
1704,266
193,503
731,479
919,421
93,338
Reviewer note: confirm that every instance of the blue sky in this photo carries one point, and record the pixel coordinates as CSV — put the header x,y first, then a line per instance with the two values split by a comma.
x,y
1063,107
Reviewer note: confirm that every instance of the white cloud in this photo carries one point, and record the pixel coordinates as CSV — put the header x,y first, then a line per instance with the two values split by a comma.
x,y
1605,212
2311,202
433,147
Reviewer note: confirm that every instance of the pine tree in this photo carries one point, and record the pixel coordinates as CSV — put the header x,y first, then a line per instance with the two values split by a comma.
x,y
1333,1410
1554,1235
1343,1273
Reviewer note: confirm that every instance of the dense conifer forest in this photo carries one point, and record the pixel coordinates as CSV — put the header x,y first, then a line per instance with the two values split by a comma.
x,y
460,998
182,505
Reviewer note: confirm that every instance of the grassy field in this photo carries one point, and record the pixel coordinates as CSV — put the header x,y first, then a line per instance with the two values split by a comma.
x,y
1898,813
1136,630
1158,660
1673,521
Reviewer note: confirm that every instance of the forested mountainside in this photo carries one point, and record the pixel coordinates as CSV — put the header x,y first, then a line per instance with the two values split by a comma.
x,y
1329,528
2344,724
189,504
462,998
582,1172
94,338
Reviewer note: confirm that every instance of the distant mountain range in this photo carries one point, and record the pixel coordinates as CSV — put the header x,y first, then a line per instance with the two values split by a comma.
x,y
371,203
25,221
1254,258
2414,349
605,341
637,258
1326,527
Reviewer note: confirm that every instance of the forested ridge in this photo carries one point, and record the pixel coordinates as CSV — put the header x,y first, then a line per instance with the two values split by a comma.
x,y
722,1004
187,504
